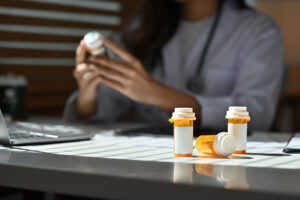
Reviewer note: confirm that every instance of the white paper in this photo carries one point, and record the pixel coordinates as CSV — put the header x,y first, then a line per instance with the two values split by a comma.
x,y
161,149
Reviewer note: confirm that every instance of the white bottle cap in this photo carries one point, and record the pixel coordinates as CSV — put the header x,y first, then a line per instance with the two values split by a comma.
x,y
237,111
93,41
238,108
183,114
184,110
225,144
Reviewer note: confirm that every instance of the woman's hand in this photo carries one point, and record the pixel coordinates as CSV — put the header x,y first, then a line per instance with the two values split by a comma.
x,y
128,77
88,79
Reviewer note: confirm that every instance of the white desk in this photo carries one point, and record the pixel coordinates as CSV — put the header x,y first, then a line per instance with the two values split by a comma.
x,y
143,167
262,150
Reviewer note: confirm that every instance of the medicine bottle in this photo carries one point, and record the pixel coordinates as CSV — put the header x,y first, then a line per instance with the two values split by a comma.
x,y
219,145
238,118
183,119
94,44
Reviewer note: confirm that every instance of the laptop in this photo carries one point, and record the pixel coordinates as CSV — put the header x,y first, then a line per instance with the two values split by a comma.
x,y
21,133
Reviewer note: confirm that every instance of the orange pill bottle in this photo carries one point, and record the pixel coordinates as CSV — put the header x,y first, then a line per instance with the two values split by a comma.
x,y
220,145
183,119
238,118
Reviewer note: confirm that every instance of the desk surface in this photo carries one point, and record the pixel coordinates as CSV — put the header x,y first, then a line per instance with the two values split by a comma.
x,y
117,178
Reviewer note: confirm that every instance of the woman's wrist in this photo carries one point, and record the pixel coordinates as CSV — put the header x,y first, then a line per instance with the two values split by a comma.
x,y
156,95
168,98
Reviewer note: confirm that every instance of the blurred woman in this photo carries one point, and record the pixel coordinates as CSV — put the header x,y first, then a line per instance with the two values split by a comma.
x,y
205,54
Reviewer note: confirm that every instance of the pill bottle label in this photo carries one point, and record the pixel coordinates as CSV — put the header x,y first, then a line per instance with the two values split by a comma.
x,y
239,131
183,139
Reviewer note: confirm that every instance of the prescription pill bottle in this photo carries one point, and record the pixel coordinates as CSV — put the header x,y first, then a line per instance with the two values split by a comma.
x,y
183,119
238,118
93,42
219,145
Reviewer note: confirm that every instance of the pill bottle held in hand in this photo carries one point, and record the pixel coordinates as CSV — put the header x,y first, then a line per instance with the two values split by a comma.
x,y
183,119
94,44
220,145
238,118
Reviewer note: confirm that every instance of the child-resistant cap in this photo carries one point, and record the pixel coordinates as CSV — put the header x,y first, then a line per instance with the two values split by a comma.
x,y
225,144
238,108
237,112
183,114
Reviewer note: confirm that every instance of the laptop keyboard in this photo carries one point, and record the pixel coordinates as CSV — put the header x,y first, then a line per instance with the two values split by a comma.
x,y
32,131
21,134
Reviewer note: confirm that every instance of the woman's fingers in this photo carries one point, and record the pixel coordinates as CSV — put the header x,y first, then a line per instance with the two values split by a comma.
x,y
95,81
113,75
79,70
80,53
113,84
127,57
89,77
121,67
82,69
86,71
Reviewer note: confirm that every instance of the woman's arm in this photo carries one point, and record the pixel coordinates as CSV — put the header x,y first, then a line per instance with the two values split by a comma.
x,y
168,98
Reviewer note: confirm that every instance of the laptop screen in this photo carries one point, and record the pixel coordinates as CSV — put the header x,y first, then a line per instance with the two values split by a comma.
x,y
4,137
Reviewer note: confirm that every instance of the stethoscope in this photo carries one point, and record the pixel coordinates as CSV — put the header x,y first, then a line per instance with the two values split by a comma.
x,y
196,84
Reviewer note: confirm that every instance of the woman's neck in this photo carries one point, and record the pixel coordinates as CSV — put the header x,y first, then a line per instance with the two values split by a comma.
x,y
194,10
